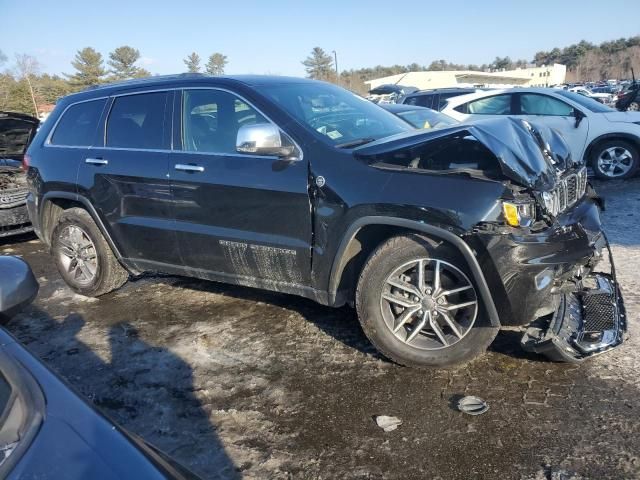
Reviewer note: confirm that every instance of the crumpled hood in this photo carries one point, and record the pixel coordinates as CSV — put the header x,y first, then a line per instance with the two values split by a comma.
x,y
622,116
530,154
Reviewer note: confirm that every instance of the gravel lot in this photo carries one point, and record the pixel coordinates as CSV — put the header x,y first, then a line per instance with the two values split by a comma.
x,y
240,383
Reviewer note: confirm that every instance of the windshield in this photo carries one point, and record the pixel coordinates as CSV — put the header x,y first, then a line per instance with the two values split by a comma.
x,y
427,119
339,117
586,102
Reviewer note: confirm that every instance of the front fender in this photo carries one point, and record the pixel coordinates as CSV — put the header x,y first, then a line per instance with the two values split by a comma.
x,y
430,230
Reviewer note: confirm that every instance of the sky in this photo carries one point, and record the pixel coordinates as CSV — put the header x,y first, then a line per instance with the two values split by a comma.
x,y
274,36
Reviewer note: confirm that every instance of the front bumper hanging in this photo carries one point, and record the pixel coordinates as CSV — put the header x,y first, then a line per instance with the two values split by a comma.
x,y
588,321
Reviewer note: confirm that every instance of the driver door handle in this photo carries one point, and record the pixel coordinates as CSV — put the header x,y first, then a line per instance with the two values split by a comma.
x,y
96,161
189,168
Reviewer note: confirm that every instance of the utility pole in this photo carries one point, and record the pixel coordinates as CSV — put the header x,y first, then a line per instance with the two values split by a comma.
x,y
335,62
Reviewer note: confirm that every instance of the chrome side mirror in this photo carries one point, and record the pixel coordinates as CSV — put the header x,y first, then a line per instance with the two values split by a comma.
x,y
264,139
18,285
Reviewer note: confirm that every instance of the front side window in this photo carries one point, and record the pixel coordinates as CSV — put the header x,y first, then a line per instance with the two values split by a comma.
x,y
78,124
496,105
535,104
339,117
137,121
211,120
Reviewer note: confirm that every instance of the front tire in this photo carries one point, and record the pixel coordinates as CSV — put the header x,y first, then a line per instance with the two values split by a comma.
x,y
83,256
417,304
614,159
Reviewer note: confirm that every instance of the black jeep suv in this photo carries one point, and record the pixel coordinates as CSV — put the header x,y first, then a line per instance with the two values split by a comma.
x,y
437,237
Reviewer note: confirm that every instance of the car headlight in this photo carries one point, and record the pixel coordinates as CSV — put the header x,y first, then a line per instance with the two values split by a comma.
x,y
519,214
551,202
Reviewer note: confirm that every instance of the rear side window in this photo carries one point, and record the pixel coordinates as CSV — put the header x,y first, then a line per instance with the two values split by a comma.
x,y
496,105
137,121
445,96
78,124
421,100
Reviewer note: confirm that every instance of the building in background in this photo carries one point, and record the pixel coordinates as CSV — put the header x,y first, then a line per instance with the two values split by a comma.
x,y
545,76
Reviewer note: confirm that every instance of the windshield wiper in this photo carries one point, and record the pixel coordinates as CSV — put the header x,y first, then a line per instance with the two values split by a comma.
x,y
355,143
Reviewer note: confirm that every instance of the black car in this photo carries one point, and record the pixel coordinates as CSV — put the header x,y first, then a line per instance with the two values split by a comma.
x,y
629,98
437,98
16,132
420,117
437,237
46,430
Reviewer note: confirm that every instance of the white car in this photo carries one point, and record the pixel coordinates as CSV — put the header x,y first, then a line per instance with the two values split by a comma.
x,y
607,139
601,97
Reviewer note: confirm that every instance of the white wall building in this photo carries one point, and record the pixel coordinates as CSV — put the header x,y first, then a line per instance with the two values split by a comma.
x,y
545,76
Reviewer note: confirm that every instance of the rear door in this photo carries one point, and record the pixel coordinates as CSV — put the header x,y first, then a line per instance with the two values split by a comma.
x,y
125,177
238,215
554,113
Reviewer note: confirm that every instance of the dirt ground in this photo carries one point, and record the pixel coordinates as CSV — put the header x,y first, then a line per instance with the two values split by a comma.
x,y
240,383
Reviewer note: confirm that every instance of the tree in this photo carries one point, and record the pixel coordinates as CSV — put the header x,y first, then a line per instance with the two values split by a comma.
x,y
122,62
27,66
216,64
502,62
319,65
89,69
192,62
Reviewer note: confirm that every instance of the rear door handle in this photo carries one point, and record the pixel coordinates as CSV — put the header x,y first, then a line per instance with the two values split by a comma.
x,y
96,161
188,168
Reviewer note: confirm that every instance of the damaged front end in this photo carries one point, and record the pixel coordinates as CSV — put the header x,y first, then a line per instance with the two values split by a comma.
x,y
590,319
16,132
542,252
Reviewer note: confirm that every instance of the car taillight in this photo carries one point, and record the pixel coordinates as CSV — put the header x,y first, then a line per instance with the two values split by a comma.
x,y
26,160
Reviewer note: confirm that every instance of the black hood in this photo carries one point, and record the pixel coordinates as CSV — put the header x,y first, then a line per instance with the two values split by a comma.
x,y
16,132
530,154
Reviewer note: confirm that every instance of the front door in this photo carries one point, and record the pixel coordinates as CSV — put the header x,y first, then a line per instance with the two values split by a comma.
x,y
125,179
237,215
556,114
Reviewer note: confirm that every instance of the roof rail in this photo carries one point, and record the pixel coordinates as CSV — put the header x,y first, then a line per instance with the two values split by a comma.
x,y
136,81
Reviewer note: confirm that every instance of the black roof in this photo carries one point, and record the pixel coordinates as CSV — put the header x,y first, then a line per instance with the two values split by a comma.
x,y
186,79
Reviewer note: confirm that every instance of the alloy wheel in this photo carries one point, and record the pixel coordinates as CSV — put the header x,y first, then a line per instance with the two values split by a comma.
x,y
429,304
615,162
78,255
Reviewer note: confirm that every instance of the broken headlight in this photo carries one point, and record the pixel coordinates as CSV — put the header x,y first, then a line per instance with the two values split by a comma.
x,y
519,213
567,192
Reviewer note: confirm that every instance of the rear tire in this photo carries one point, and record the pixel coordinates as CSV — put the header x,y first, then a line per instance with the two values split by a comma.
x,y
424,338
83,256
614,159
633,107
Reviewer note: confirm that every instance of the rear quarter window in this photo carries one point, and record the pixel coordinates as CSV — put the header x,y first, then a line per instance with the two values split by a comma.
x,y
77,126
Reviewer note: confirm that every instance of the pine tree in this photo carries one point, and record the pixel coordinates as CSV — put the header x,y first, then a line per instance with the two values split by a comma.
x,y
122,62
216,64
192,62
319,65
89,69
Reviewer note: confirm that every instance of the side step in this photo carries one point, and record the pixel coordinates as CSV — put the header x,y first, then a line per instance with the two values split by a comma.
x,y
588,322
